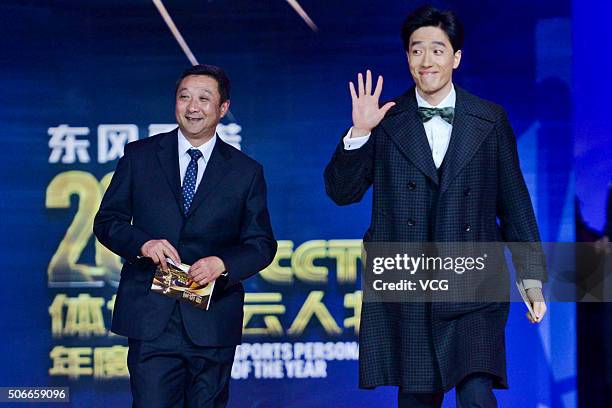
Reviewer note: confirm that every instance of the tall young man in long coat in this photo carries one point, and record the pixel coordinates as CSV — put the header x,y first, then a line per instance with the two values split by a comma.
x,y
444,167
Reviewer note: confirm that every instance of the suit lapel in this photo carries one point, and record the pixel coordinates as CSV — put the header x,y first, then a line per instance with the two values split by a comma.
x,y
469,131
217,168
405,128
167,154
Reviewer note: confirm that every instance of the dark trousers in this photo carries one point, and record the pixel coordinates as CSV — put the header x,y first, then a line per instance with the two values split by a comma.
x,y
172,372
475,391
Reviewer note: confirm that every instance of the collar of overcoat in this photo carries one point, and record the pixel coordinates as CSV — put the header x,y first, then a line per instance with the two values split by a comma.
x,y
472,123
217,167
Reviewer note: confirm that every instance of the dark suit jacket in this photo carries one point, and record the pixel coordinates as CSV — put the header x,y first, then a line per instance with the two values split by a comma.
x,y
427,347
228,218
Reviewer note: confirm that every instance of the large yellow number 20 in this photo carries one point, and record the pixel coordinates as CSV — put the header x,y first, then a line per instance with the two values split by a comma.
x,y
64,269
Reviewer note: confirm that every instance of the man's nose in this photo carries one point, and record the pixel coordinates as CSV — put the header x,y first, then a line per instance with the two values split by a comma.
x,y
193,106
427,59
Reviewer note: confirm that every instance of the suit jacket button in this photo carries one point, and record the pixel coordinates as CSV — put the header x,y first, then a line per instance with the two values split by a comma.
x,y
412,185
467,192
410,222
467,227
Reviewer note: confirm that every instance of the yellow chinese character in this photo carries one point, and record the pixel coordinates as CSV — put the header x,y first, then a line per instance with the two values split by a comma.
x,y
55,310
84,316
272,324
110,362
73,362
314,307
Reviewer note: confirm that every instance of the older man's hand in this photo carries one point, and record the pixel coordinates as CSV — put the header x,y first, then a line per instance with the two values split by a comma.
x,y
206,270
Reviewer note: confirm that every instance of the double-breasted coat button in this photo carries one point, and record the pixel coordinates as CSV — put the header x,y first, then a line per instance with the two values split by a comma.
x,y
467,227
467,192
412,184
410,222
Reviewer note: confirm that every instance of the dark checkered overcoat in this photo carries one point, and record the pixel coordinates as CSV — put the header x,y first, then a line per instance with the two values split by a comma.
x,y
430,347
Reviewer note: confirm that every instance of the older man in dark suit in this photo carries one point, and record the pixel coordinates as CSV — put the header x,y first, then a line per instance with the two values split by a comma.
x,y
444,167
188,196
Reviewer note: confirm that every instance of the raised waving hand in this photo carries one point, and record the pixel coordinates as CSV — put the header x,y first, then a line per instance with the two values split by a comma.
x,y
366,112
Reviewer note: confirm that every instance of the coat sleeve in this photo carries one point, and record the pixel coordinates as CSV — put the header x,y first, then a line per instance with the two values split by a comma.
x,y
257,244
514,209
350,173
113,222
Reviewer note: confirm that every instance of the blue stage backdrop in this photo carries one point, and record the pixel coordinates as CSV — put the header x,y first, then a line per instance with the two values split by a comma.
x,y
81,79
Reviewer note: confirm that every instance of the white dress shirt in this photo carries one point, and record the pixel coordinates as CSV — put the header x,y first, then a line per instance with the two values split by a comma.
x,y
438,133
438,130
184,158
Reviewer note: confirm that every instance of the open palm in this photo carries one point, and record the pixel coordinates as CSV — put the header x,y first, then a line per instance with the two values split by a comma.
x,y
366,112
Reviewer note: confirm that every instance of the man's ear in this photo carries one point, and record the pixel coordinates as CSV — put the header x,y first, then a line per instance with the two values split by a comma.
x,y
225,107
457,58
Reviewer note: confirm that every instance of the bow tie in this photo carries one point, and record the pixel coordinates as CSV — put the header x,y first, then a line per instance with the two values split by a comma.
x,y
446,114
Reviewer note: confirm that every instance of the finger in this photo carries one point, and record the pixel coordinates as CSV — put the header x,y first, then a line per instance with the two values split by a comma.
x,y
172,253
166,255
161,257
206,280
529,317
537,308
162,261
145,249
153,256
353,93
198,276
368,83
202,279
360,84
540,310
198,265
200,268
150,250
386,107
194,271
379,85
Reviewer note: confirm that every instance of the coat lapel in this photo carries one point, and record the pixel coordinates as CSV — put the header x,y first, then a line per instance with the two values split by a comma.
x,y
167,154
470,129
405,128
217,168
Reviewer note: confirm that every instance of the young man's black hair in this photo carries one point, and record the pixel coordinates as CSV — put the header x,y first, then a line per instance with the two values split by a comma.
x,y
428,16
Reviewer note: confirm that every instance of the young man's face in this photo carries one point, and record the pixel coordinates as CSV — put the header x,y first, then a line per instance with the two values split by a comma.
x,y
198,107
431,60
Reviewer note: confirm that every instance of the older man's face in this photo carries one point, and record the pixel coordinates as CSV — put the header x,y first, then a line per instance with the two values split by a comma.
x,y
198,107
